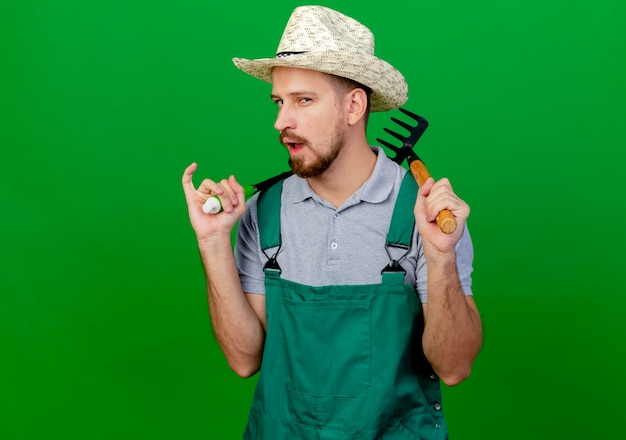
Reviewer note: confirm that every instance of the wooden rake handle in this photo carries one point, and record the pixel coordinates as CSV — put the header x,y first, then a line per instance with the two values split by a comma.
x,y
445,219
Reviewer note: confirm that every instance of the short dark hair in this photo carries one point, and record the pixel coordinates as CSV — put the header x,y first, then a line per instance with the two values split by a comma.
x,y
343,85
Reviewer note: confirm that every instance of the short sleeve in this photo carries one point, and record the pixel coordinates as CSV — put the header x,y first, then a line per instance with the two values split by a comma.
x,y
248,256
464,262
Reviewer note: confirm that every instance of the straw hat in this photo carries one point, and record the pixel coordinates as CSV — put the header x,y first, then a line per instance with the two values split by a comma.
x,y
321,39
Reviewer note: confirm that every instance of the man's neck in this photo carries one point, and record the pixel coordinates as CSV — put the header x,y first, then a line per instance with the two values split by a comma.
x,y
353,166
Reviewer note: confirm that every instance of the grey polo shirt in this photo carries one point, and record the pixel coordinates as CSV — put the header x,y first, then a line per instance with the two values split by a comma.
x,y
323,245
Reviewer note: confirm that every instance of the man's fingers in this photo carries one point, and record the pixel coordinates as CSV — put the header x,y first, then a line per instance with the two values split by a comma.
x,y
229,190
426,187
236,186
441,197
238,190
209,187
437,196
187,178
204,190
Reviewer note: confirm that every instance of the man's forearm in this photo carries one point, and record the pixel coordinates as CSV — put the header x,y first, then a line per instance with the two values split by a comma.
x,y
453,331
237,328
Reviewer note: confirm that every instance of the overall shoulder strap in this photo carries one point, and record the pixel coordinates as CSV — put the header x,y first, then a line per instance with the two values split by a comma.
x,y
403,219
401,228
268,211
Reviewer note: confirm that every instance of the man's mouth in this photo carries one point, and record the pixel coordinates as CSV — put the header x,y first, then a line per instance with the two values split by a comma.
x,y
293,143
294,147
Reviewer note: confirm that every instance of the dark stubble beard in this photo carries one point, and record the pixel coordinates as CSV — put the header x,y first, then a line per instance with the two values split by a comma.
x,y
321,162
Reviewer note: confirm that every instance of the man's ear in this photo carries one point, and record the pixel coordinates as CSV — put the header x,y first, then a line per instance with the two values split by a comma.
x,y
357,105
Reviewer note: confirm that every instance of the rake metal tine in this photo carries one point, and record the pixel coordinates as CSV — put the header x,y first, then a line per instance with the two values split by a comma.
x,y
398,158
388,145
403,124
415,132
409,113
396,135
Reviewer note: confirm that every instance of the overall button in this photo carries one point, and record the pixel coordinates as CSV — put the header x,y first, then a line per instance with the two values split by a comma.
x,y
437,406
336,216
333,245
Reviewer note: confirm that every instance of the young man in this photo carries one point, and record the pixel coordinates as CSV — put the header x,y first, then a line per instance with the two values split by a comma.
x,y
352,329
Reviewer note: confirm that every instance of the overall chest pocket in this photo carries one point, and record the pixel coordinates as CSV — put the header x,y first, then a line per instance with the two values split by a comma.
x,y
326,346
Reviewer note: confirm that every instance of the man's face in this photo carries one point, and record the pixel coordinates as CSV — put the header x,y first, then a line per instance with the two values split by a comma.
x,y
310,119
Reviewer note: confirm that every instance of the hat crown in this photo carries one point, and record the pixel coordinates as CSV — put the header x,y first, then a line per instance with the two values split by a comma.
x,y
316,29
321,39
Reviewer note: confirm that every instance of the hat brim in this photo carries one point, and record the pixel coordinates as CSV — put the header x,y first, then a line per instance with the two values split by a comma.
x,y
389,88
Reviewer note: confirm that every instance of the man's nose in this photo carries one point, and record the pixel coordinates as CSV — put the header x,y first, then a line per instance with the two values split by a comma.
x,y
284,119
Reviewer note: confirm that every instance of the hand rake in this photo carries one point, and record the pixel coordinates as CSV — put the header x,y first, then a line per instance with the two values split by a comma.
x,y
445,219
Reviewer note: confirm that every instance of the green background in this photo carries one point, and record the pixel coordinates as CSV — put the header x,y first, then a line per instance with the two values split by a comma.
x,y
104,329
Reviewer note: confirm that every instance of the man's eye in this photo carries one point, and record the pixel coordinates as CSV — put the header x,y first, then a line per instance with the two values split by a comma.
x,y
305,100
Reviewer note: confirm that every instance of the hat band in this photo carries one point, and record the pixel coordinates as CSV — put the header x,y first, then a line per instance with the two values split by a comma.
x,y
286,54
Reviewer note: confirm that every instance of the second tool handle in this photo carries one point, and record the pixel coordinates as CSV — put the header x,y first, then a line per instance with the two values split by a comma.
x,y
445,219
